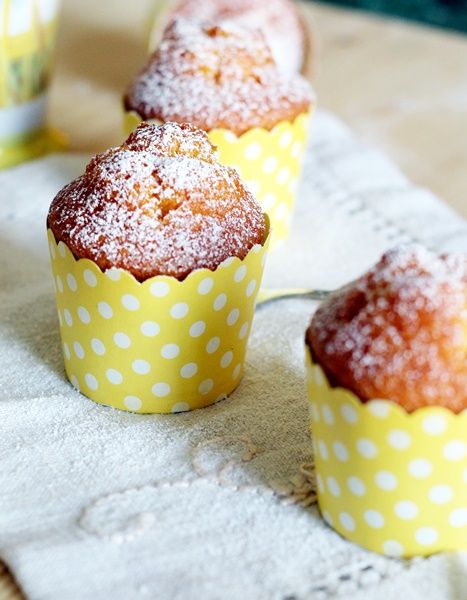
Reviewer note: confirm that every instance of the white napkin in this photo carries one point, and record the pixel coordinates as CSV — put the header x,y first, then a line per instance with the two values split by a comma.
x,y
99,504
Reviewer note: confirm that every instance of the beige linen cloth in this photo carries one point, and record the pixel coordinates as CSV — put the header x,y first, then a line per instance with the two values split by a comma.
x,y
213,504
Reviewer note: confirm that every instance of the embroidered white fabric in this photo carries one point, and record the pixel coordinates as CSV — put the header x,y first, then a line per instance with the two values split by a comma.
x,y
96,503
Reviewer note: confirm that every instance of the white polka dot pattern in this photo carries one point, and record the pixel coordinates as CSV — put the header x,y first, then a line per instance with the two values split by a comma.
x,y
161,346
270,163
390,481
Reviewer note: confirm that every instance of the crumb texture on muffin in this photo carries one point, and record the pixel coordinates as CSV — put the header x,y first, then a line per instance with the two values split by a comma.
x,y
159,204
278,20
216,76
399,332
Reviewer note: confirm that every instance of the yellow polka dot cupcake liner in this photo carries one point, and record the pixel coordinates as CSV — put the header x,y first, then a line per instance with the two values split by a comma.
x,y
393,482
269,163
160,346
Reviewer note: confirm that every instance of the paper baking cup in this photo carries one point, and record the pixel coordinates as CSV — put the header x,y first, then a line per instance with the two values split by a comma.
x,y
392,481
269,162
159,346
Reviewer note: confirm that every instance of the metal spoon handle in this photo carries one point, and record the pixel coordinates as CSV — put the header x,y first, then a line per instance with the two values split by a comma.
x,y
267,296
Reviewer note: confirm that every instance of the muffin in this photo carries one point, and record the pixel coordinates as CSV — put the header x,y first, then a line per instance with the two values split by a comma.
x,y
160,204
277,19
387,383
157,252
399,332
216,75
222,78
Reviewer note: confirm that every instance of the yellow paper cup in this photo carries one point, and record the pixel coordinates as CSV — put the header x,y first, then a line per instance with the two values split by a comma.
x,y
27,43
269,162
159,346
391,481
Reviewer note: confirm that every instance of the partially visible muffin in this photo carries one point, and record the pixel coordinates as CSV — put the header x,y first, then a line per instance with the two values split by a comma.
x,y
216,76
399,332
159,204
277,19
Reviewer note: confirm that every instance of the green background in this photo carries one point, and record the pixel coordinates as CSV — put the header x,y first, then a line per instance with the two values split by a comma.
x,y
451,14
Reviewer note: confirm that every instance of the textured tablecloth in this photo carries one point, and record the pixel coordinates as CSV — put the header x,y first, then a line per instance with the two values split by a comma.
x,y
95,503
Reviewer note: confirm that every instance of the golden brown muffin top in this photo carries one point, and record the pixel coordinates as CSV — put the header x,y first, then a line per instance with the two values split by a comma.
x,y
159,204
399,332
216,76
277,19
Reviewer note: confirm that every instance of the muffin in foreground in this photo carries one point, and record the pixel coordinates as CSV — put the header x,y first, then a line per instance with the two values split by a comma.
x,y
157,253
223,79
278,20
386,382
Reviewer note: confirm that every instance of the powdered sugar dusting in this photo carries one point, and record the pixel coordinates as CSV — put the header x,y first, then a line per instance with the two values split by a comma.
x,y
216,76
277,19
172,140
400,331
158,204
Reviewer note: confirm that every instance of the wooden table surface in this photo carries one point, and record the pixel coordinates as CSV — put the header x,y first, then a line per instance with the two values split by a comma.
x,y
399,86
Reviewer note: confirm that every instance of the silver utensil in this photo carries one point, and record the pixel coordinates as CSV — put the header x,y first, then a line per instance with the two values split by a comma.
x,y
266,296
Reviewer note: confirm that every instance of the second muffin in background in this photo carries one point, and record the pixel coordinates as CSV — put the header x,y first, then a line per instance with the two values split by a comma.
x,y
223,79
157,253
